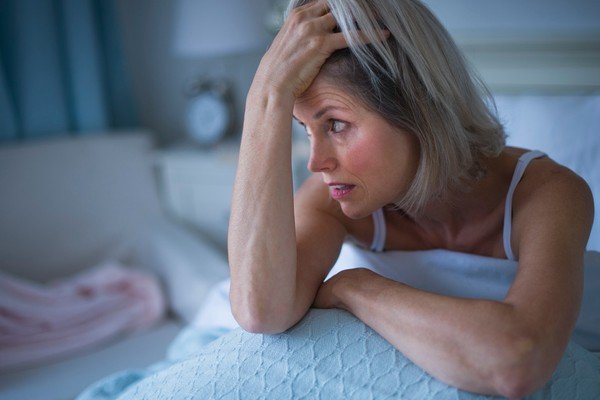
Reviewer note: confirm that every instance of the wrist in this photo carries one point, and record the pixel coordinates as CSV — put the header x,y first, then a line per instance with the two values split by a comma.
x,y
350,285
356,284
266,89
268,105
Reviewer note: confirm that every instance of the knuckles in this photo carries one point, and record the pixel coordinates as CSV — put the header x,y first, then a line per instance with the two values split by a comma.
x,y
316,43
297,16
308,32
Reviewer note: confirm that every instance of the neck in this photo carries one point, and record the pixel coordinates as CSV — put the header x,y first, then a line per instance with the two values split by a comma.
x,y
445,219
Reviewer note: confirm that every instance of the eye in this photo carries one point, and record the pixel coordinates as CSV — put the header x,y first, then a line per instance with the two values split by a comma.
x,y
337,126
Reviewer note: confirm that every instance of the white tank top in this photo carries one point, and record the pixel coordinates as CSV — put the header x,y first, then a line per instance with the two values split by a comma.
x,y
379,220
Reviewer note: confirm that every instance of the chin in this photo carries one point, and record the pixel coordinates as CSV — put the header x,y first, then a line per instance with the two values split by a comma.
x,y
355,212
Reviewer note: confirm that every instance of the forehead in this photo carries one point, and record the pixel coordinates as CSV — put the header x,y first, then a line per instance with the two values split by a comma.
x,y
322,93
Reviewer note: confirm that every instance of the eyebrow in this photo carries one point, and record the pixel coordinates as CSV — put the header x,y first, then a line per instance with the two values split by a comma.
x,y
321,112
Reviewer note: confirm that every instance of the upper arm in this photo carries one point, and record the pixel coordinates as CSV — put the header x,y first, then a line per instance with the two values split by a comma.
x,y
320,234
552,224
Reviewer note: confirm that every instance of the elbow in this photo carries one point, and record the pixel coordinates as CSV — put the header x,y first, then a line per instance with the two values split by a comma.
x,y
253,320
525,369
517,388
260,310
259,325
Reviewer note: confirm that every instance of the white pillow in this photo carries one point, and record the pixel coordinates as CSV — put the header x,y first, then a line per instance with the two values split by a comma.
x,y
188,266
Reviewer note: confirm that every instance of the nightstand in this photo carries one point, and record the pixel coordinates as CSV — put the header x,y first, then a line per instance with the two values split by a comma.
x,y
197,185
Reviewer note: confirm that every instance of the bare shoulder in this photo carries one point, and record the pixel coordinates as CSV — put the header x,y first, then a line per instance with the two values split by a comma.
x,y
549,185
551,196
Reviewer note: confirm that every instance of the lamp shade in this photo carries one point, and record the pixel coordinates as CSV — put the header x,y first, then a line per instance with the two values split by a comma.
x,y
213,28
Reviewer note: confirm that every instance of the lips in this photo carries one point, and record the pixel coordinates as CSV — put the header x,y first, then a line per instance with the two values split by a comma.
x,y
341,186
340,190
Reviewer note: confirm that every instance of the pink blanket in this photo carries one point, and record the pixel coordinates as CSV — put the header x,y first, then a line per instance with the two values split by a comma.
x,y
44,322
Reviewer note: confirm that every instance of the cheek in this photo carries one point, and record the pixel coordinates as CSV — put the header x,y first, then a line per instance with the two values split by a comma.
x,y
363,155
394,157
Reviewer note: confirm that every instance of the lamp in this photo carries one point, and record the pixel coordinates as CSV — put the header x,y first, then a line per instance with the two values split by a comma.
x,y
215,28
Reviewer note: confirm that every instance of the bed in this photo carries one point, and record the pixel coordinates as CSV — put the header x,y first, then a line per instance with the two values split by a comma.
x,y
547,90
332,354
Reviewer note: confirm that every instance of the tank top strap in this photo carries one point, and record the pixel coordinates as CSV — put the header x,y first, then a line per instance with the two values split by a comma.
x,y
379,231
522,164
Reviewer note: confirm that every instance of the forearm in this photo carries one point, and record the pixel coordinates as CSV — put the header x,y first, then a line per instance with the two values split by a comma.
x,y
475,345
262,233
261,241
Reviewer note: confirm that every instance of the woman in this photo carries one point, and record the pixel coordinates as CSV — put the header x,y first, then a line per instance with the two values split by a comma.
x,y
400,133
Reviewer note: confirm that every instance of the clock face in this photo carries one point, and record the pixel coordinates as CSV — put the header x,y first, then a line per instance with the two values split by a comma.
x,y
207,118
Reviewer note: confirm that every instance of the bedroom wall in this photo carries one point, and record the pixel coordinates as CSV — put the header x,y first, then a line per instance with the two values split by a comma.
x,y
489,16
159,77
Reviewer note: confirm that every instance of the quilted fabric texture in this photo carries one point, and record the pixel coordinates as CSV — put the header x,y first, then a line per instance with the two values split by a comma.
x,y
330,354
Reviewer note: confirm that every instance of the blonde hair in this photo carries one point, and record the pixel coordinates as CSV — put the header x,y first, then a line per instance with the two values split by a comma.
x,y
419,81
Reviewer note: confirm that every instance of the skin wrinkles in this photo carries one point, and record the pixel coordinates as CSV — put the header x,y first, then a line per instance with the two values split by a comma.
x,y
378,158
382,161
333,102
278,275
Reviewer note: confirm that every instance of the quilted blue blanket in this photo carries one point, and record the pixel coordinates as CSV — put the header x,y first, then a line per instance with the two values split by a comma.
x,y
330,354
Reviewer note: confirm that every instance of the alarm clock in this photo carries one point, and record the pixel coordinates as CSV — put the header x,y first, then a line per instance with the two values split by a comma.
x,y
209,112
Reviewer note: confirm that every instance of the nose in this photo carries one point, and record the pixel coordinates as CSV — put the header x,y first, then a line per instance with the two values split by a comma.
x,y
322,157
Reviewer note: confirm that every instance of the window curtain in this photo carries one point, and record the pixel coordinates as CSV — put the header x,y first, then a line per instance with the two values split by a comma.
x,y
62,70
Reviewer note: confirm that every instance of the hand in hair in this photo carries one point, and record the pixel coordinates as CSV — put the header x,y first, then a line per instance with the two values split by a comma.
x,y
306,39
274,279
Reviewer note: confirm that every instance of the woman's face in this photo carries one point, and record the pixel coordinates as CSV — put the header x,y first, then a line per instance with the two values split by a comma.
x,y
366,162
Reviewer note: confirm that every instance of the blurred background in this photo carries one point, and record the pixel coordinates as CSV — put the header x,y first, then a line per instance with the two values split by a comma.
x,y
119,129
137,59
159,72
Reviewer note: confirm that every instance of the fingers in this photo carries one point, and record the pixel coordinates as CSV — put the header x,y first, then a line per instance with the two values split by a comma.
x,y
337,41
319,12
322,23
316,13
382,35
315,8
327,21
